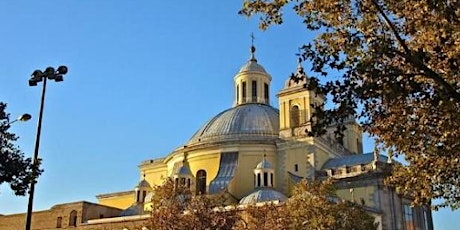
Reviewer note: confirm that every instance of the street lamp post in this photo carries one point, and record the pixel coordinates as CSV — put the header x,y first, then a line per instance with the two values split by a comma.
x,y
23,117
38,76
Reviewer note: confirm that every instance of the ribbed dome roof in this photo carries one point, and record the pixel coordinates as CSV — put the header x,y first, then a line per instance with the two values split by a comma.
x,y
184,170
252,65
264,164
263,195
143,184
248,121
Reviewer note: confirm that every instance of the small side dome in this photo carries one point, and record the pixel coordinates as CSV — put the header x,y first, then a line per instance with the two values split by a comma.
x,y
264,164
183,171
263,195
143,184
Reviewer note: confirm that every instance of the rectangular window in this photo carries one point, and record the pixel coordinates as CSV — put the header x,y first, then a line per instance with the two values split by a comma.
x,y
244,91
425,218
59,222
237,93
254,91
408,216
265,179
266,92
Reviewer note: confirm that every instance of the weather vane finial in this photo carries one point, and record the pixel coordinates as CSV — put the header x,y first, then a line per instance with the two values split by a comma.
x,y
252,39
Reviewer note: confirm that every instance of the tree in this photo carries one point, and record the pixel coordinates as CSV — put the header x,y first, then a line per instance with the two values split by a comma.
x,y
399,65
312,206
174,207
15,169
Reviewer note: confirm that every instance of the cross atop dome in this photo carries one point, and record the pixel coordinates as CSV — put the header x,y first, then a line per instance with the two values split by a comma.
x,y
253,49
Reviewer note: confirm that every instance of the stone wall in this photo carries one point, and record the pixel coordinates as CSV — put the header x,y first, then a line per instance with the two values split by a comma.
x,y
60,216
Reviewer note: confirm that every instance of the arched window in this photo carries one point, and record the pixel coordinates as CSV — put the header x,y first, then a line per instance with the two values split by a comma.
x,y
237,93
254,91
259,180
73,218
201,182
272,183
59,222
144,194
265,179
295,116
266,96
244,91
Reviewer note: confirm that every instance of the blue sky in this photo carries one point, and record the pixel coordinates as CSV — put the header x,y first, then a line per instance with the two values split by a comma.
x,y
143,77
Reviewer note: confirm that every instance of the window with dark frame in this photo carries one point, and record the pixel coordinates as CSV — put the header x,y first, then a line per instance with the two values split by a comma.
x,y
266,96
59,222
265,179
73,218
295,116
201,182
254,91
237,92
408,216
244,91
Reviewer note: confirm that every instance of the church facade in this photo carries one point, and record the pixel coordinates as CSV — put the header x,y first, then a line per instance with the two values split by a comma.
x,y
255,153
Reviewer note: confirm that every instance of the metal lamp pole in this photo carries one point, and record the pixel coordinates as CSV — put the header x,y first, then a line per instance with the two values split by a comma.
x,y
36,77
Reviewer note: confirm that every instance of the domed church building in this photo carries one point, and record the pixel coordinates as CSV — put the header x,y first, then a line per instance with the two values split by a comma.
x,y
256,153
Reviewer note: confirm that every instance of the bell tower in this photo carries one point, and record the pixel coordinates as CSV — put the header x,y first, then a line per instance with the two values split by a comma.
x,y
296,104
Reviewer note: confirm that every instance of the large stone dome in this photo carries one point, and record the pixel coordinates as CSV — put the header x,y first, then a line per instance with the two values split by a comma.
x,y
244,122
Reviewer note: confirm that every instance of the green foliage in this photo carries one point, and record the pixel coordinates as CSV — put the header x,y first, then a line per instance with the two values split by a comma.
x,y
399,62
15,169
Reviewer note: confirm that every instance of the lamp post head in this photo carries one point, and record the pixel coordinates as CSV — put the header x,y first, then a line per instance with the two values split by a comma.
x,y
50,73
37,76
24,117
62,69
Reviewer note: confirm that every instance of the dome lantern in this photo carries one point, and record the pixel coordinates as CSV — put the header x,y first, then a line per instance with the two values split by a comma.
x,y
264,174
252,82
141,190
183,176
